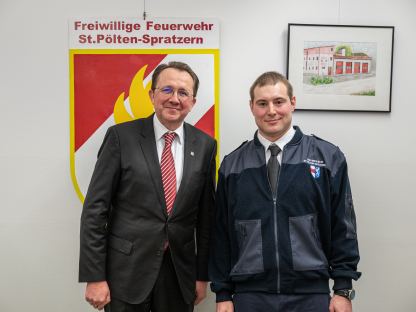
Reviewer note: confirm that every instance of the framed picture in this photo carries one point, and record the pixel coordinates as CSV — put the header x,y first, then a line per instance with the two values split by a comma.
x,y
341,67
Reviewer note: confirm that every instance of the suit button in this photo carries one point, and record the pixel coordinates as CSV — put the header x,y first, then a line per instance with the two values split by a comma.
x,y
158,253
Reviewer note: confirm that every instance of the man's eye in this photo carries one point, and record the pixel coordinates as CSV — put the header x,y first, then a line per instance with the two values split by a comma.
x,y
167,90
183,93
261,104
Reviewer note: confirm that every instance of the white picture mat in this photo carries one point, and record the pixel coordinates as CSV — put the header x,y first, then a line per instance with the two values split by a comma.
x,y
382,36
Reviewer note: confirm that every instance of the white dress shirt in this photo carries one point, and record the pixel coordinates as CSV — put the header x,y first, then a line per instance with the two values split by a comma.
x,y
178,146
284,139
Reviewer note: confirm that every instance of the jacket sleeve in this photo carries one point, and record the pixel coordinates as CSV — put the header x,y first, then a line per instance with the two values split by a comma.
x,y
96,210
344,255
220,253
203,229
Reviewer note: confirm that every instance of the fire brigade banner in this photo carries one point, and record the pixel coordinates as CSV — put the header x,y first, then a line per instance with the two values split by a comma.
x,y
111,63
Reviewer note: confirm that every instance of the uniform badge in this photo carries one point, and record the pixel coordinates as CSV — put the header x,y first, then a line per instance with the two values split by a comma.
x,y
315,171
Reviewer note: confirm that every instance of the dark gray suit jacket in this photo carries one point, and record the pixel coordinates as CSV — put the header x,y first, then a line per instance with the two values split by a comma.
x,y
124,223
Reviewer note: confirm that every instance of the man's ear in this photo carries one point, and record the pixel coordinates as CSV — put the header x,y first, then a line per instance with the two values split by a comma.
x,y
151,95
293,103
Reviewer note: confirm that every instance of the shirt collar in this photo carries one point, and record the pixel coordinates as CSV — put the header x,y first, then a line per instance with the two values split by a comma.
x,y
281,142
160,130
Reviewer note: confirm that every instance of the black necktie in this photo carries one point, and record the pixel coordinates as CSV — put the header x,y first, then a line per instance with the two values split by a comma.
x,y
273,168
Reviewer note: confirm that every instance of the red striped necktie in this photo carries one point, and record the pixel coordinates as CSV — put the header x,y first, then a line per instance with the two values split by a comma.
x,y
167,166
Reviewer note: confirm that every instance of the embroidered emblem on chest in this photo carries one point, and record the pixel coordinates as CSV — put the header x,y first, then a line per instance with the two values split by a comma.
x,y
315,171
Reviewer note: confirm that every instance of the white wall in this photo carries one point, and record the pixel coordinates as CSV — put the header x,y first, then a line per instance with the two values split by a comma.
x,y
40,210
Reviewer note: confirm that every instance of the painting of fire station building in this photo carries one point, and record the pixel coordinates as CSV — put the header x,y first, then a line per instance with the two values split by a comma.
x,y
342,68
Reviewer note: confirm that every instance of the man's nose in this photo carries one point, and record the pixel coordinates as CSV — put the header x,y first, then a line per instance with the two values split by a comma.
x,y
271,109
174,97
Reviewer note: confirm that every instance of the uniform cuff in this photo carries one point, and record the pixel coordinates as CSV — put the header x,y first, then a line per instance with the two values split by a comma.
x,y
224,295
342,283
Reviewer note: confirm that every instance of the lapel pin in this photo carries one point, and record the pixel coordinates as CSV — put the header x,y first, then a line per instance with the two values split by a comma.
x,y
192,154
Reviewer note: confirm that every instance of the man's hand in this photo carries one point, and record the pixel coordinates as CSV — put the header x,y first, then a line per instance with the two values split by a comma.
x,y
340,304
225,306
200,291
97,294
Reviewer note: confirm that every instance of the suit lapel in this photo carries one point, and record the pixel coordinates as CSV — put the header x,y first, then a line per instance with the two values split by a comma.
x,y
148,146
189,158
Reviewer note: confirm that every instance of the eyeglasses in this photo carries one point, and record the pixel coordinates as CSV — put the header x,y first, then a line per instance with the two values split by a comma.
x,y
182,94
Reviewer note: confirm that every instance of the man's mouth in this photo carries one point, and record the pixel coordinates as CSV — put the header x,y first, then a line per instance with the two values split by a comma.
x,y
169,107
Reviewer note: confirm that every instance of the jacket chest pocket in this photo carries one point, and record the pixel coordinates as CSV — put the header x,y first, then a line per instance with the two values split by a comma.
x,y
250,247
307,253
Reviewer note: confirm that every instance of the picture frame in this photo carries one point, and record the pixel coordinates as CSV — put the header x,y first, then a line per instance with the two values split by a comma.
x,y
341,67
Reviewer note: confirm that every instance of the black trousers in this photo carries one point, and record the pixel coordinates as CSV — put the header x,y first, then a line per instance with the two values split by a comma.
x,y
166,295
262,302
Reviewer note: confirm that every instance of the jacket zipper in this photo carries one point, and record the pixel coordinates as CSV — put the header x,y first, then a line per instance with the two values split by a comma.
x,y
276,235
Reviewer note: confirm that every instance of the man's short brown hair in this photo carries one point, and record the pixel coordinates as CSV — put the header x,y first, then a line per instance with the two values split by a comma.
x,y
179,66
271,78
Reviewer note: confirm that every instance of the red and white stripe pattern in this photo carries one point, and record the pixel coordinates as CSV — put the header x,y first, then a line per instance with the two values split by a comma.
x,y
167,166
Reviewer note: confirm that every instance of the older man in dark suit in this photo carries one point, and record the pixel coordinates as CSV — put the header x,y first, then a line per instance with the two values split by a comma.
x,y
145,222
